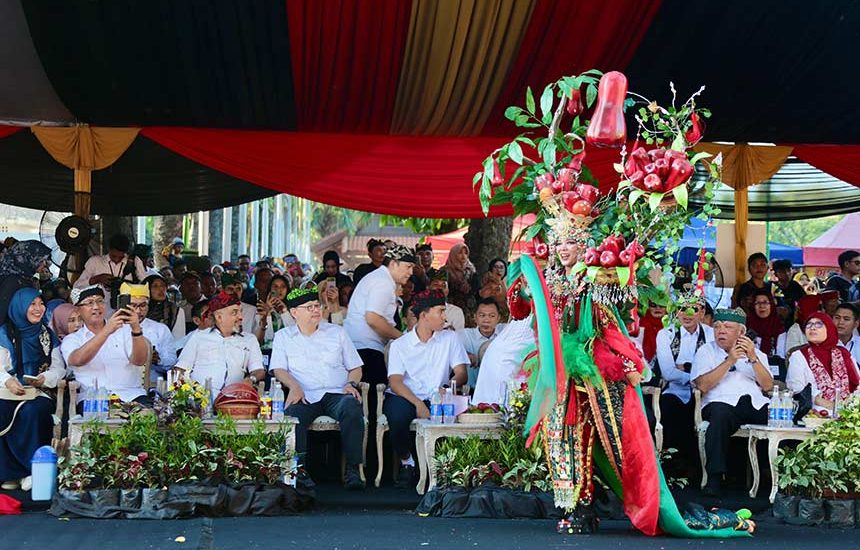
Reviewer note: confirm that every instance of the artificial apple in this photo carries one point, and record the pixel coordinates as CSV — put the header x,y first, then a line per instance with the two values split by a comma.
x,y
591,257
569,198
544,181
652,183
581,208
567,177
545,194
588,192
557,187
608,258
662,166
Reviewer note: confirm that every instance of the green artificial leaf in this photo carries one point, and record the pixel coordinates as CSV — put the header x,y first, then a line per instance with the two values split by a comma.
x,y
699,156
654,201
591,272
623,274
546,104
533,231
527,140
476,178
590,95
530,100
515,152
680,144
548,154
680,194
488,169
512,112
579,267
635,194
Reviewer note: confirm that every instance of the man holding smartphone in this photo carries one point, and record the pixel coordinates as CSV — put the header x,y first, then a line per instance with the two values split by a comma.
x,y
731,374
111,351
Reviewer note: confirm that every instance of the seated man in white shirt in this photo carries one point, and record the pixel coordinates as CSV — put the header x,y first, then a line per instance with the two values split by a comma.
x,y
320,367
158,335
111,352
502,361
487,318
250,320
847,319
732,374
419,363
223,353
677,345
455,315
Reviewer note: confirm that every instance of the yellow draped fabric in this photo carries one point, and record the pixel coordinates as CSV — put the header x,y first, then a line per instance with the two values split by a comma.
x,y
84,149
744,166
458,53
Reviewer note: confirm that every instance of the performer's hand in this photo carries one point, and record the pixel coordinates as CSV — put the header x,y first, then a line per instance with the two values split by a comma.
x,y
634,378
421,411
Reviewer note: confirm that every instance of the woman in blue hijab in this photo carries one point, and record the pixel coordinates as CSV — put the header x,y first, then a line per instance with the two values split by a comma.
x,y
27,348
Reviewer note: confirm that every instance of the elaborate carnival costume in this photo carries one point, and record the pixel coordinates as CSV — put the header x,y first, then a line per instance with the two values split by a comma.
x,y
586,408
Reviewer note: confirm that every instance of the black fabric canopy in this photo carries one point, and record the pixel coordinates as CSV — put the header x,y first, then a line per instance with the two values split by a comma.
x,y
153,179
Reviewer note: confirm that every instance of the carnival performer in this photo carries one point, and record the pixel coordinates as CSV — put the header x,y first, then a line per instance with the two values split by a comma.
x,y
586,406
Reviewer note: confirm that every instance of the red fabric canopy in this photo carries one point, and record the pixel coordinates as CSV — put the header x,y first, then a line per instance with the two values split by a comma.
x,y
567,37
362,172
346,60
8,130
840,161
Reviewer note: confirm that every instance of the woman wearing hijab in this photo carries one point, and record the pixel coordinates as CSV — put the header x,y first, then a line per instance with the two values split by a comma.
x,y
768,327
823,364
29,356
462,281
18,264
65,320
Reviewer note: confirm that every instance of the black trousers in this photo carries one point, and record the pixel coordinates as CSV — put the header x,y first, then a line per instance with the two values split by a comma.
x,y
679,427
346,409
400,413
724,421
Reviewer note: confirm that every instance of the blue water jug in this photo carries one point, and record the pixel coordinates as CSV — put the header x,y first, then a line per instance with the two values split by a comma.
x,y
44,472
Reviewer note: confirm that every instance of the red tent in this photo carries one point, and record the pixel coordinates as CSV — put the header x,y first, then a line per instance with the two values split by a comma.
x,y
442,244
824,250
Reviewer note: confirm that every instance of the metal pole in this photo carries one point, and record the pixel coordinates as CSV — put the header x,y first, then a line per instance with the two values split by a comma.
x,y
226,233
278,229
141,229
255,230
265,248
243,228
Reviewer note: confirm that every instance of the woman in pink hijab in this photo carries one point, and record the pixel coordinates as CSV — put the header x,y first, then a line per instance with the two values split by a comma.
x,y
65,320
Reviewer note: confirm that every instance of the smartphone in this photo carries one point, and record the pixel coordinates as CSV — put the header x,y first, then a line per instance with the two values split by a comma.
x,y
30,378
331,280
123,301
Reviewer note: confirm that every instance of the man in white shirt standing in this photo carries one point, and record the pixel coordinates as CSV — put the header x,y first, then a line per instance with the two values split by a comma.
x,y
419,363
847,319
320,367
732,374
223,353
502,361
111,269
487,318
111,352
676,351
370,319
158,335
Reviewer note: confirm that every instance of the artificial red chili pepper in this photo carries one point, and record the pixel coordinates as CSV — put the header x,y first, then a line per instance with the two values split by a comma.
x,y
574,103
694,134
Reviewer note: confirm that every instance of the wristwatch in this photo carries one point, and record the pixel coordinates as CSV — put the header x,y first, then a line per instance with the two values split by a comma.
x,y
354,385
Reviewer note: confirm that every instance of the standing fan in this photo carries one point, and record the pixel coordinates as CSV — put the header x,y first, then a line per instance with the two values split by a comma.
x,y
65,235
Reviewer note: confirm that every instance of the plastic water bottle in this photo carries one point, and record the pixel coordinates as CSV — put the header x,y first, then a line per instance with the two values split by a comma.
x,y
103,400
448,407
772,412
207,388
44,472
90,403
436,411
277,402
784,409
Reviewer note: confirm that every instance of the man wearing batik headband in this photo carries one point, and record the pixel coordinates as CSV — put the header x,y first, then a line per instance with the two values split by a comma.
x,y
370,319
317,363
676,349
250,318
731,374
223,353
419,363
111,352
164,347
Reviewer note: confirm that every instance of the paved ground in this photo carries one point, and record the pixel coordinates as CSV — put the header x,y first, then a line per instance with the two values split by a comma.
x,y
377,519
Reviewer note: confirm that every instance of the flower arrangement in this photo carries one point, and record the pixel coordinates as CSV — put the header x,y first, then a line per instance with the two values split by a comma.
x,y
142,453
184,397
